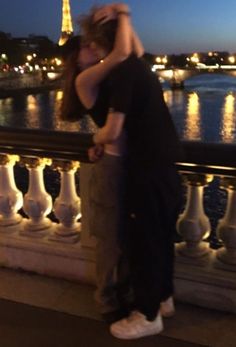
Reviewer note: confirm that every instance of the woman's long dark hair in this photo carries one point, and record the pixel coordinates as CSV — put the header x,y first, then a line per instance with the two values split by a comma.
x,y
71,107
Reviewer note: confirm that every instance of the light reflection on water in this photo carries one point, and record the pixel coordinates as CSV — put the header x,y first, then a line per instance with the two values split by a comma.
x,y
204,111
228,119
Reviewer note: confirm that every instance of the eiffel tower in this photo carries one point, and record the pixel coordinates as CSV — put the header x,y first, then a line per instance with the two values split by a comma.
x,y
67,27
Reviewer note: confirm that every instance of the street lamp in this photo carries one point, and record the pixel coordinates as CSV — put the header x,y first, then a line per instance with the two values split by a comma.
x,y
29,57
232,59
194,58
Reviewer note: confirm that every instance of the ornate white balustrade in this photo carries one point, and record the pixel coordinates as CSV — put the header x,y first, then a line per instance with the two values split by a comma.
x,y
47,234
11,199
193,224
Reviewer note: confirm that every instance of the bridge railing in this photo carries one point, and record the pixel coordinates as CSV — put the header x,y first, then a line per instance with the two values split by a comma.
x,y
45,233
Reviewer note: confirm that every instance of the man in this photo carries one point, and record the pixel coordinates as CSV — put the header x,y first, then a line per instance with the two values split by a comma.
x,y
135,101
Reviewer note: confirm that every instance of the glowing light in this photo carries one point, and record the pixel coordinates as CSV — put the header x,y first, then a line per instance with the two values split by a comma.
x,y
187,164
52,75
32,111
165,60
168,96
193,130
162,60
59,95
58,61
201,65
194,58
29,57
232,59
66,28
209,67
228,120
228,67
168,74
157,67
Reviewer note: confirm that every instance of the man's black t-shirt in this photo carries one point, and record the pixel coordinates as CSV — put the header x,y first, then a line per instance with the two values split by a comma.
x,y
131,88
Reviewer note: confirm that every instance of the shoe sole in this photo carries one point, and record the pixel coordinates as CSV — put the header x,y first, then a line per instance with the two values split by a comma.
x,y
133,337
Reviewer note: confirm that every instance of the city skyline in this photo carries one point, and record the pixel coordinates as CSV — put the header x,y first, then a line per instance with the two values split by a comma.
x,y
165,27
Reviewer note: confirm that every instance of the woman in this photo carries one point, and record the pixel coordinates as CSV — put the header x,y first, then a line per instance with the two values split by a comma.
x,y
83,76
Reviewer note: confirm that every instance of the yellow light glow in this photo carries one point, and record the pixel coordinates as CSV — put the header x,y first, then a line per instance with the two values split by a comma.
x,y
168,74
52,75
194,58
165,60
168,96
66,27
158,67
187,164
29,57
228,119
192,127
32,112
158,60
58,61
59,95
228,67
232,59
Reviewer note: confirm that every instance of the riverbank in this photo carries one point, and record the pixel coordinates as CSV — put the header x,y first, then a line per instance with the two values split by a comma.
x,y
12,92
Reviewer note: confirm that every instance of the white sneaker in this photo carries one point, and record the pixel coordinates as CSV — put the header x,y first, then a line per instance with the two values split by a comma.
x,y
135,326
167,308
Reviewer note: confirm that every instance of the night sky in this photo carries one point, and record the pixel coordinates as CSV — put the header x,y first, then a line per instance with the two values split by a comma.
x,y
165,26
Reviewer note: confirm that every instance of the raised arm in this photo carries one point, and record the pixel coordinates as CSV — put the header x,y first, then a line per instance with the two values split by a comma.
x,y
88,80
137,46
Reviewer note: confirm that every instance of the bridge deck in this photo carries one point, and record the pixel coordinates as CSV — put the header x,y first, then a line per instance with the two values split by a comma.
x,y
191,323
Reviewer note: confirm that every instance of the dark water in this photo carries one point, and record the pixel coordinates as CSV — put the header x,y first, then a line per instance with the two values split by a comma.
x,y
204,111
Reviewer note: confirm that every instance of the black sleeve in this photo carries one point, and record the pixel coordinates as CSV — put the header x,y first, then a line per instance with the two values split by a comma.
x,y
121,88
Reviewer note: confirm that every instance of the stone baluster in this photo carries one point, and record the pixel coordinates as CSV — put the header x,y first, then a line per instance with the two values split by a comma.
x,y
226,229
37,202
67,206
11,199
193,224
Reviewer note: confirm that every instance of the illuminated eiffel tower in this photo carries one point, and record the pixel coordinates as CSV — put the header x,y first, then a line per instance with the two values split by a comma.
x,y
66,27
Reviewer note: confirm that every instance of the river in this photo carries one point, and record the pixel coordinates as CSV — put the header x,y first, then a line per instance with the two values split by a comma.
x,y
204,111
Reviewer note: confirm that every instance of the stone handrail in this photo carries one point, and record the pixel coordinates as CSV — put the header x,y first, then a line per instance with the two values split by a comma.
x,y
47,143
